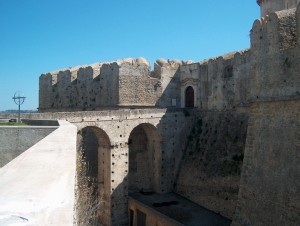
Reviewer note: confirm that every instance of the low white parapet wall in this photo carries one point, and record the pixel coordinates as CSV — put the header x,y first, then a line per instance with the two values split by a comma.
x,y
37,187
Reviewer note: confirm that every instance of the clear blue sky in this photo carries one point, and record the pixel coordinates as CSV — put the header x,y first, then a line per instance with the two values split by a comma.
x,y
38,36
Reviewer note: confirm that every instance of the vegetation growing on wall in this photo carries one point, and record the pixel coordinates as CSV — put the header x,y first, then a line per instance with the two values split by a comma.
x,y
217,145
212,161
86,192
12,124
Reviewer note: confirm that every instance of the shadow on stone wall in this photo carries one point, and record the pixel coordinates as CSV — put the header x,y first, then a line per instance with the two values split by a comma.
x,y
200,157
211,166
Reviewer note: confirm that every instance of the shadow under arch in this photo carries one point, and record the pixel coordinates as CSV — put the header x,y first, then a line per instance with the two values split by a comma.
x,y
144,159
93,202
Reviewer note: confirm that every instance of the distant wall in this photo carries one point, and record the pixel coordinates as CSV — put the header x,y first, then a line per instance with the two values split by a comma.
x,y
124,83
220,83
211,165
79,88
15,139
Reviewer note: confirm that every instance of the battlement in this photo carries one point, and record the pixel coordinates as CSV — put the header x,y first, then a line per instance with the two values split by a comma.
x,y
92,70
126,82
275,32
274,49
223,82
270,6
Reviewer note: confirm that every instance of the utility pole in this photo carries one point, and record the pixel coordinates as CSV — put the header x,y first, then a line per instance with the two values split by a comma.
x,y
19,100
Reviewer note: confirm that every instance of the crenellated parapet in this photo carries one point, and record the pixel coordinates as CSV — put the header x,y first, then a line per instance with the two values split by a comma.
x,y
275,32
275,51
270,6
123,83
268,70
91,87
70,88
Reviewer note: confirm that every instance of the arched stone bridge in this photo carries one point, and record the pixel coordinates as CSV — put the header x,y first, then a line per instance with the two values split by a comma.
x,y
121,152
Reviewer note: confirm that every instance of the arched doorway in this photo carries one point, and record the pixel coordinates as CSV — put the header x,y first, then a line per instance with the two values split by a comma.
x,y
93,206
189,97
144,159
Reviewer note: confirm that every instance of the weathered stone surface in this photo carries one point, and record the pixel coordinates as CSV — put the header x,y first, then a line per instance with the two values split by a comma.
x,y
164,136
219,83
269,189
126,82
269,6
261,82
211,165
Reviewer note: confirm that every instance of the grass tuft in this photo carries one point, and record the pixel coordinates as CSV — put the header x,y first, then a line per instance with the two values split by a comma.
x,y
13,124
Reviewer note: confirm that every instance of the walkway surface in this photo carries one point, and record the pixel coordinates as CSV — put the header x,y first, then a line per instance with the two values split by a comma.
x,y
37,187
181,209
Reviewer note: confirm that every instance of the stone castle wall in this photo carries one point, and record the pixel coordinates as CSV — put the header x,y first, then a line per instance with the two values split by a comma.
x,y
269,6
79,88
269,186
221,83
270,176
124,83
275,50
261,83
212,162
265,80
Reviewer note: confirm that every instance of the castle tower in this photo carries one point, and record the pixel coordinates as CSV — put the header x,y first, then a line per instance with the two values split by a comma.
x,y
269,6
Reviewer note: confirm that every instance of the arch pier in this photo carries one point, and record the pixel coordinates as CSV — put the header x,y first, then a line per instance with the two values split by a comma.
x,y
121,153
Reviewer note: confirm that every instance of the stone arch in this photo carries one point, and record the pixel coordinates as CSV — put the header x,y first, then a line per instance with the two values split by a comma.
x,y
189,97
93,177
144,159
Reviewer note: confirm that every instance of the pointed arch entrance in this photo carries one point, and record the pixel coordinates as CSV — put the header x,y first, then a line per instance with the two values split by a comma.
x,y
144,159
93,205
189,97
